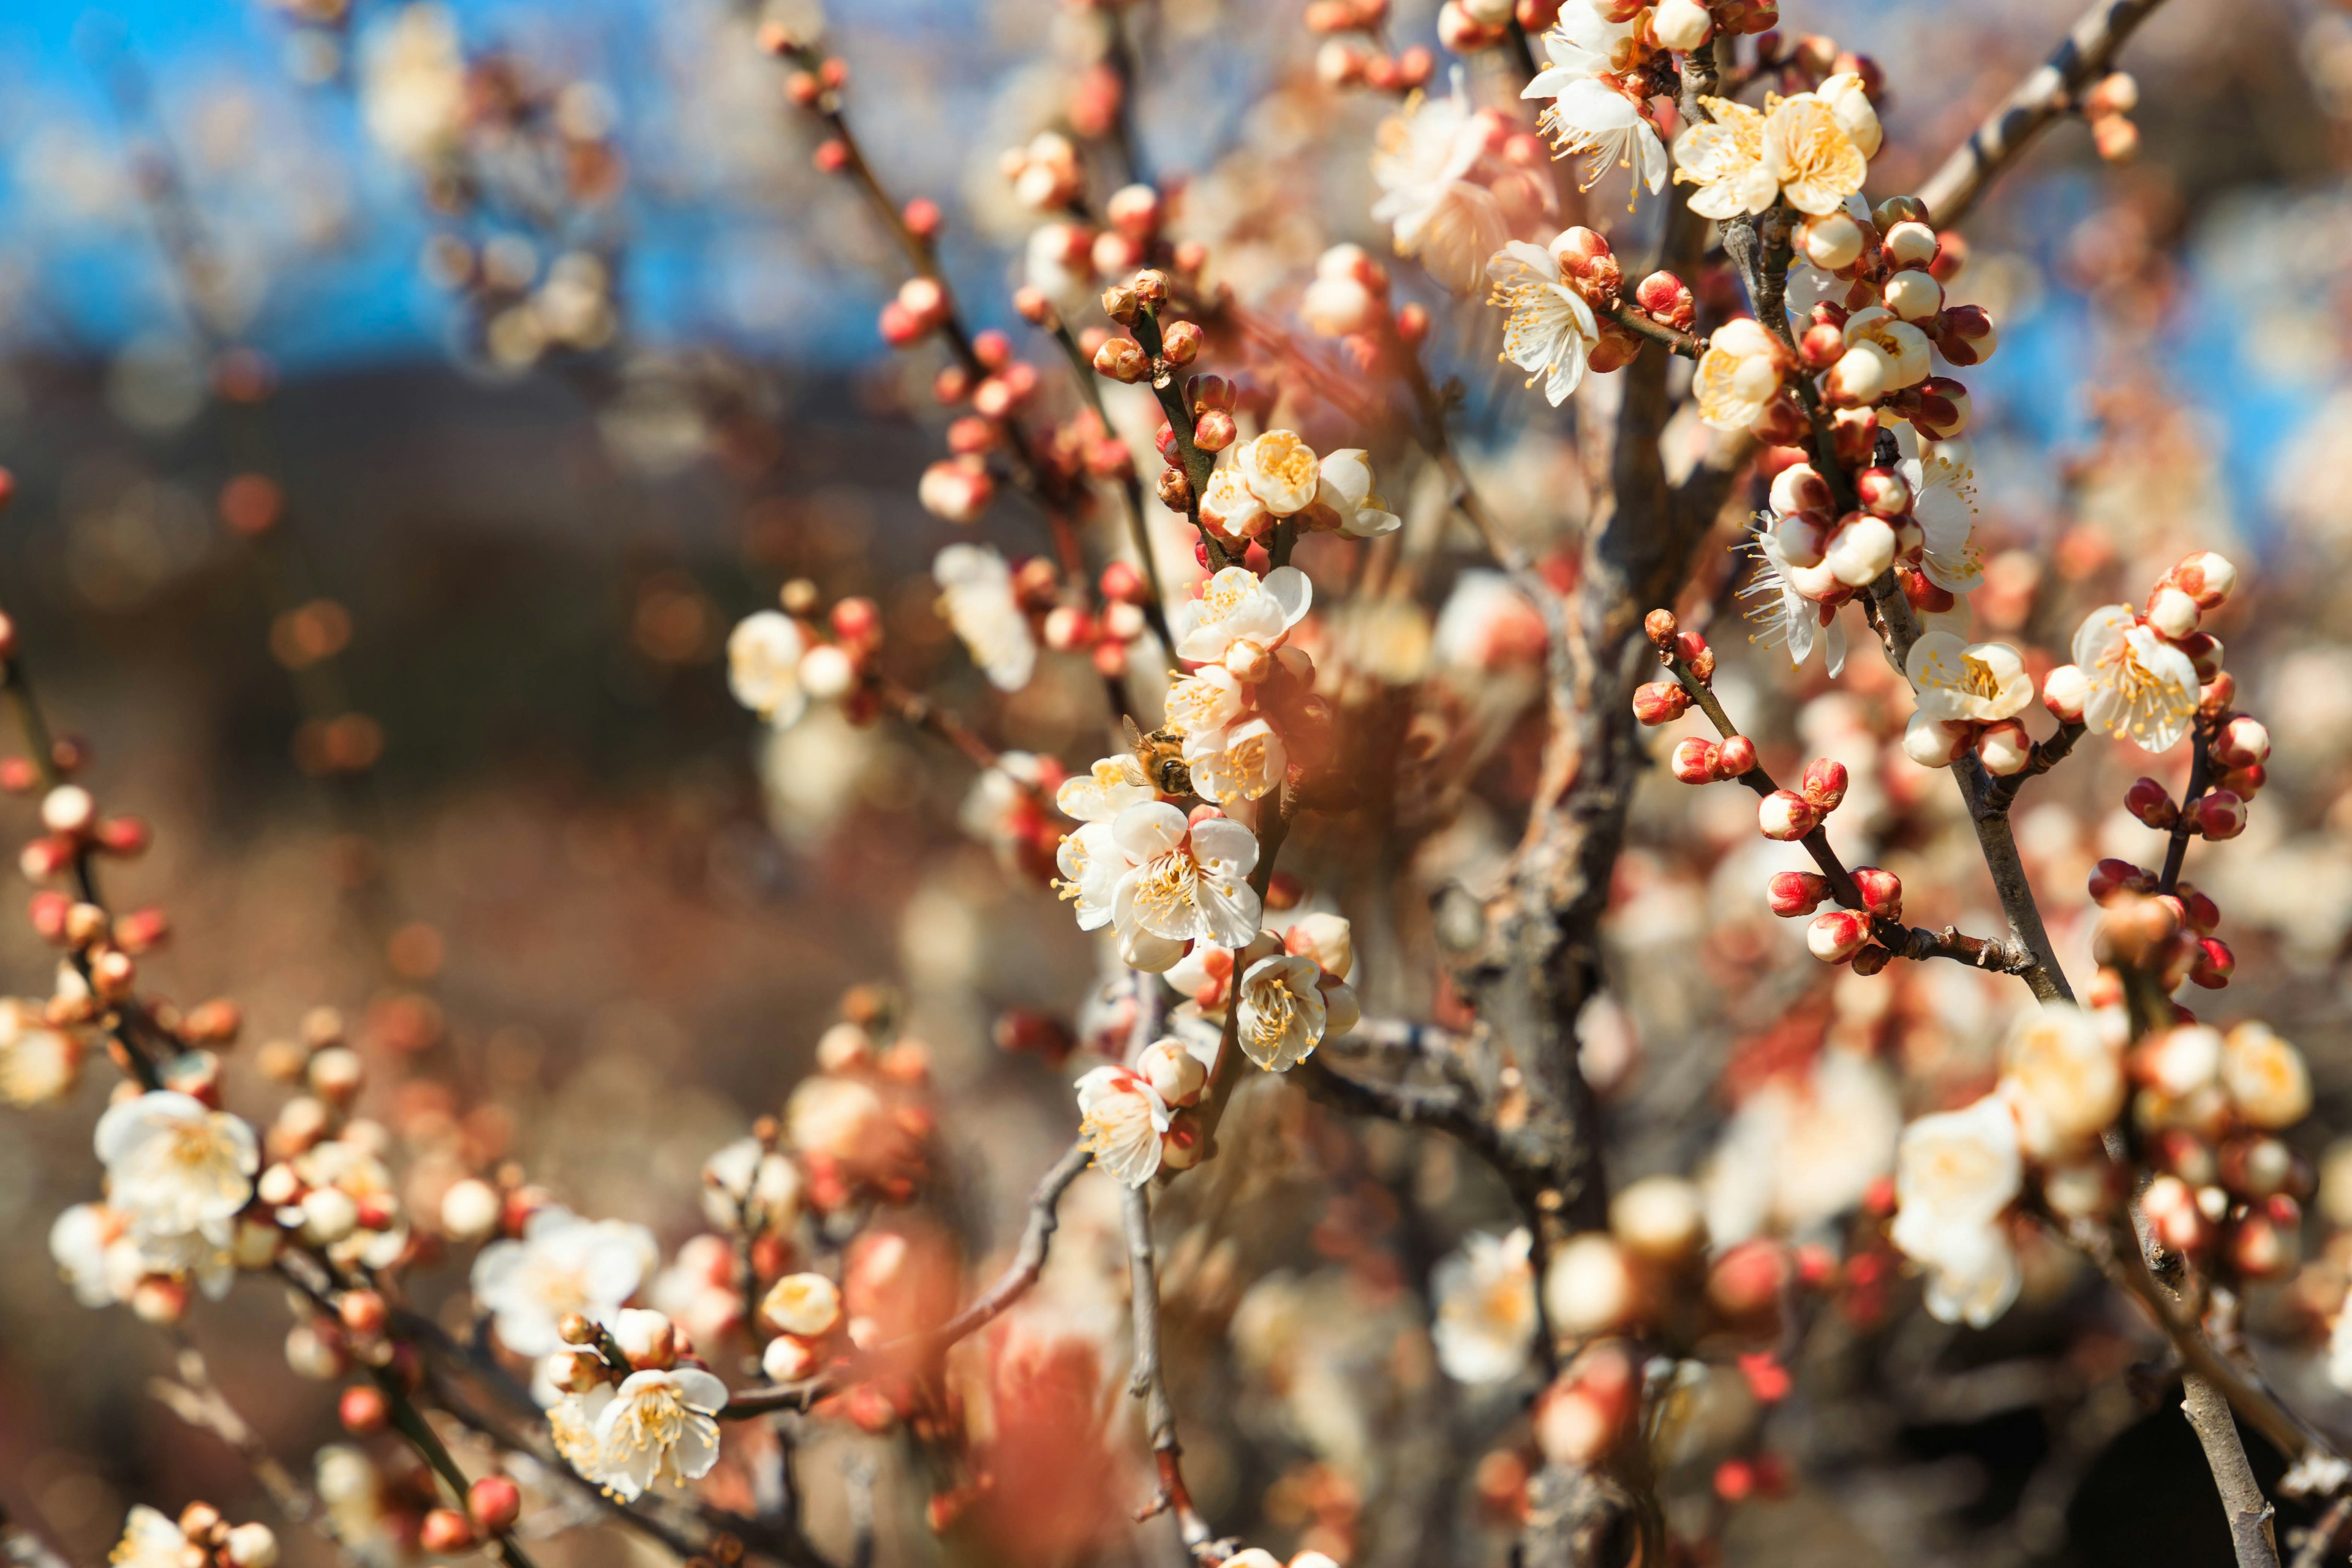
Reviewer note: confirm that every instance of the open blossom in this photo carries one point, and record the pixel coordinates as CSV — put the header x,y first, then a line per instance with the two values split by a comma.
x,y
1105,790
1345,501
563,1264
1242,761
1786,617
1485,1295
1425,157
2141,687
1236,606
81,1240
747,1182
38,1063
1943,503
2062,1079
1737,375
1551,333
1954,1175
173,1163
154,1539
658,1426
1591,114
1120,1119
1282,1012
412,82
1162,882
1975,682
976,597
1744,161
1229,506
763,662
1209,698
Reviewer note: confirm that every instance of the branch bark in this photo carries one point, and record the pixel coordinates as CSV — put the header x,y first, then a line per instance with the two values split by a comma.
x,y
1149,1382
2242,1497
2086,54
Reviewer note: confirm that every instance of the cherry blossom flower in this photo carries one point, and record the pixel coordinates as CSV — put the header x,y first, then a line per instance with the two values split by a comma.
x,y
1345,501
412,83
1232,507
2062,1079
1208,700
1787,618
1237,606
976,597
153,1539
1282,1012
1109,787
82,1242
1977,682
1724,157
1120,1119
763,661
1745,161
1954,1175
173,1163
38,1063
1424,160
563,1263
1849,104
1943,502
1737,375
1485,1318
1280,470
1551,333
1242,761
2140,687
1591,115
660,1424
1161,882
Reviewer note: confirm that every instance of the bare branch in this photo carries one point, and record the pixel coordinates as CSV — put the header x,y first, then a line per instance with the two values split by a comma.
x,y
1149,1382
2242,1496
2085,55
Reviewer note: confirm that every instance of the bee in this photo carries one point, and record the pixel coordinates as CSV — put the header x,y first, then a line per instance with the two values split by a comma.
x,y
1162,756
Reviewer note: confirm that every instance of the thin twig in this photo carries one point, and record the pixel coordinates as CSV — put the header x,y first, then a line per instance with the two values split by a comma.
x,y
1149,1382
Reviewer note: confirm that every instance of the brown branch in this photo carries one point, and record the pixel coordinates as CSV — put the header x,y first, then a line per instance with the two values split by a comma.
x,y
2045,755
1149,1382
1672,339
2242,1496
2200,772
919,1349
2049,92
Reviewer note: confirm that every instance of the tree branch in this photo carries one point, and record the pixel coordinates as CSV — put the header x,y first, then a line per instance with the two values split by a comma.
x,y
1149,1382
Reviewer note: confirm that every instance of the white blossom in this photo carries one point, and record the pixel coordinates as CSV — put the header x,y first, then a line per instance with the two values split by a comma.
x,y
1281,1016
1343,490
154,1539
1120,1119
411,85
1485,1319
1944,504
1787,618
173,1163
1963,682
1238,762
563,1264
2062,1079
658,1426
1589,115
1550,333
976,597
763,661
1237,605
38,1063
1425,155
1954,1175
2142,688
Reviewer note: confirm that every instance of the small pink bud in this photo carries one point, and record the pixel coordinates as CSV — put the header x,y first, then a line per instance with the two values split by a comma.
x,y
2151,802
1882,892
1883,491
1785,815
1692,650
2205,577
446,1531
1660,702
1694,761
2065,690
1821,346
1794,893
1214,430
2244,742
2214,963
2221,815
1735,758
1837,935
495,1503
2004,748
1121,359
1824,785
2111,876
1667,298
1943,411
1800,488
2172,613
2170,1206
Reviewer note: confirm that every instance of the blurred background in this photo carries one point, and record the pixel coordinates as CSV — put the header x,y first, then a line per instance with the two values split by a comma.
x,y
403,401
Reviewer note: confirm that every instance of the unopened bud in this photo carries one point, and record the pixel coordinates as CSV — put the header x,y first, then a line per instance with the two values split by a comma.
x,y
1794,893
1694,761
2242,742
1785,815
2205,577
2221,815
1882,892
1181,342
1883,491
1693,650
1660,702
1837,935
1659,626
2150,802
1667,298
1736,759
495,1502
2065,690
1824,785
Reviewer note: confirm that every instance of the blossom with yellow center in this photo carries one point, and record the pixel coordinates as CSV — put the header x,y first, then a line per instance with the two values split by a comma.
x,y
660,1426
1963,682
174,1164
1243,761
1280,470
1739,374
2140,687
153,1539
1591,114
2266,1077
1808,153
1120,1119
1954,1175
1281,1016
1486,1295
2062,1079
1724,157
1550,333
564,1263
1235,605
1210,699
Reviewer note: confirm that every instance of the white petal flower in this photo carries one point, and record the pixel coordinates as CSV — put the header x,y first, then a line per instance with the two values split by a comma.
x,y
1120,1119
1236,603
747,1175
153,1539
2142,689
1808,152
1280,470
173,1163
1944,504
976,595
1209,698
412,82
563,1263
1737,375
1091,863
1954,1175
1423,157
1725,159
763,662
1850,107
1243,760
1232,507
1589,118
1786,617
1281,1014
79,1240
2064,1081
1185,883
1485,1295
1980,682
659,1427
572,1422
1551,331
1344,490
38,1063
1109,787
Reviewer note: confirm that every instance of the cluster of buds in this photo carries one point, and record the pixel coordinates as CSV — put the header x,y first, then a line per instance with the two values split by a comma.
x,y
336,1196
202,1537
1587,266
1348,300
1045,174
860,1127
1355,48
2169,934
1788,814
779,661
70,814
1107,634
803,1312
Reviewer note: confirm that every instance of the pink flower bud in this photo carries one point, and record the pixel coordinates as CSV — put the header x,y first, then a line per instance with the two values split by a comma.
x,y
1882,892
1584,260
2267,1243
2112,875
1692,650
1667,298
1910,244
1964,334
2221,815
2065,690
2170,1206
1660,702
1785,815
2205,577
1122,359
1935,743
446,1531
1457,31
1825,785
1943,411
2244,742
1821,346
1214,430
2150,802
1837,935
1794,893
495,1503
957,490
1735,758
1883,491
1694,761
2004,748
1800,488
2214,963
2173,613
